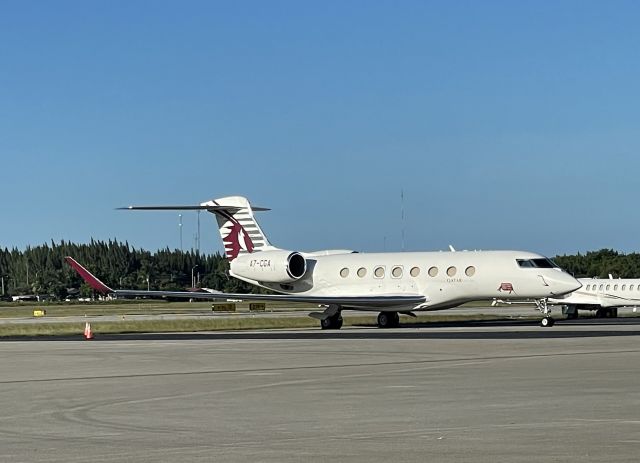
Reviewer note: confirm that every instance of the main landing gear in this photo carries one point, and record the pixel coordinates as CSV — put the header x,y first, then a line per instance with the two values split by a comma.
x,y
330,318
604,312
388,320
333,322
547,320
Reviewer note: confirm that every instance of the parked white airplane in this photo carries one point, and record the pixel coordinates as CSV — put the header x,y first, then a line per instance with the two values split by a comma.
x,y
602,295
389,283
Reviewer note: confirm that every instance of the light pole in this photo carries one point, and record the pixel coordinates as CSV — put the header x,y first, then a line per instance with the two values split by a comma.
x,y
180,228
193,280
198,247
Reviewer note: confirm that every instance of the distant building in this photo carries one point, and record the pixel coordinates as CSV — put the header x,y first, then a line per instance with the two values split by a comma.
x,y
24,298
32,297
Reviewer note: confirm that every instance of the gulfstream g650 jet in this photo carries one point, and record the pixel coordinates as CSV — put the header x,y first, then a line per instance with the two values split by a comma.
x,y
389,283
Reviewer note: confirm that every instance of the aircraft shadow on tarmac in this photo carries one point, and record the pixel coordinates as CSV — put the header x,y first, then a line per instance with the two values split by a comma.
x,y
512,329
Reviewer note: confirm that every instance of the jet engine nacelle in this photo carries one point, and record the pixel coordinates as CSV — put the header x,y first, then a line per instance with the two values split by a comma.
x,y
270,266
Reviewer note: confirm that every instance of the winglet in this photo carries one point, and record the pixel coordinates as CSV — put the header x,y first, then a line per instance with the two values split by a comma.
x,y
88,277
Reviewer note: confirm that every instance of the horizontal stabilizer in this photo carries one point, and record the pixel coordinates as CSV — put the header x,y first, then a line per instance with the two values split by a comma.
x,y
238,228
199,207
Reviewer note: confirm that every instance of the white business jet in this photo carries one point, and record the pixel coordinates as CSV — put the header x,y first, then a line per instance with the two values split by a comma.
x,y
603,295
390,283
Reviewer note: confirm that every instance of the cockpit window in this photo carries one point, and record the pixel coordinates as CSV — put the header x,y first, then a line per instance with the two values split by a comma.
x,y
536,263
525,263
544,263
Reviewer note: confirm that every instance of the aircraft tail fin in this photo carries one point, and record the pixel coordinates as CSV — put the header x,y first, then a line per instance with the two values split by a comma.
x,y
239,230
238,227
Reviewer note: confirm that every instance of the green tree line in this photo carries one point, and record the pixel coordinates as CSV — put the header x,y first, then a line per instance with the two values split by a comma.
x,y
601,263
43,270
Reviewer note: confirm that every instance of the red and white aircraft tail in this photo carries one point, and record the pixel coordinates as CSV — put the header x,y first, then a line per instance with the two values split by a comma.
x,y
238,227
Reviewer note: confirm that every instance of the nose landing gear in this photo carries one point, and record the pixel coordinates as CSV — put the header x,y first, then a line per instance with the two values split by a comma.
x,y
547,320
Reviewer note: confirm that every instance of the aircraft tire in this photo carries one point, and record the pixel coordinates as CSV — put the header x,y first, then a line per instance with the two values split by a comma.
x,y
388,319
547,322
332,323
383,320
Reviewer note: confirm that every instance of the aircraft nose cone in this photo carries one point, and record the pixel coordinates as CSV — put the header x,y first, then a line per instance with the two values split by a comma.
x,y
563,283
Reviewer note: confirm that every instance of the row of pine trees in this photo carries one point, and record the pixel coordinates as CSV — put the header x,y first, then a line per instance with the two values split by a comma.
x,y
42,269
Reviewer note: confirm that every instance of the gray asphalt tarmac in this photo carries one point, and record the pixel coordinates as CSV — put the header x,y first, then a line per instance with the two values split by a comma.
x,y
475,392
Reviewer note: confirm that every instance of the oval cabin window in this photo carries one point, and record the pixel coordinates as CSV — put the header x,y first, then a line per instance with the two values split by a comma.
x,y
379,272
344,273
362,272
433,271
470,271
415,271
451,271
396,272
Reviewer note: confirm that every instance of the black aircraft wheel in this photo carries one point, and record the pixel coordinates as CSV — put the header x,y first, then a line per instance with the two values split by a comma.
x,y
388,319
547,322
331,323
326,323
383,320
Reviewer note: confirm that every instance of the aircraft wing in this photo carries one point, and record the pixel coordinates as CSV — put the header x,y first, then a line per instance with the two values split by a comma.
x,y
383,300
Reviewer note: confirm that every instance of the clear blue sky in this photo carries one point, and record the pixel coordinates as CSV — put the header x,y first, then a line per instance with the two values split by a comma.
x,y
508,125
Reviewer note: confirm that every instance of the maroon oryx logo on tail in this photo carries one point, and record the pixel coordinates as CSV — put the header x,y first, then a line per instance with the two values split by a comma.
x,y
237,239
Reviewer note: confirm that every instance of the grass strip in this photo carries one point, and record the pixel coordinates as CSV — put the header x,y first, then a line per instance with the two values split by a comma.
x,y
214,324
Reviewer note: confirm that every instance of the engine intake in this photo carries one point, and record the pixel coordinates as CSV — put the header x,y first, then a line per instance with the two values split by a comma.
x,y
270,266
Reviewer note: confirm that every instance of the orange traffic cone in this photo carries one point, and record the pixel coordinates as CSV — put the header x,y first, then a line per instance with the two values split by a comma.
x,y
87,331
